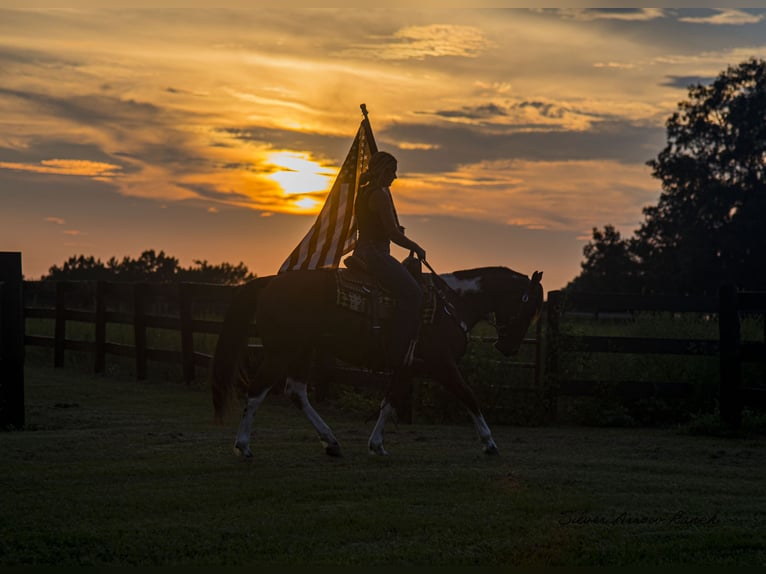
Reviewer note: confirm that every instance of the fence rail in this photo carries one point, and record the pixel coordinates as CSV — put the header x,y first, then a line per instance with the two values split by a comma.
x,y
133,309
135,305
94,302
728,346
734,395
558,343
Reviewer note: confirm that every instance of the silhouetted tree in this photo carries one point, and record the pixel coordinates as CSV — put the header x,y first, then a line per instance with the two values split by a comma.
x,y
79,267
609,264
226,273
708,226
150,266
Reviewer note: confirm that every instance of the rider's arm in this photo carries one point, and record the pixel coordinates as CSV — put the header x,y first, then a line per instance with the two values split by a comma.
x,y
381,202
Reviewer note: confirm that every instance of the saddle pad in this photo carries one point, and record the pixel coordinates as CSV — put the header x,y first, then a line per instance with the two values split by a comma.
x,y
358,292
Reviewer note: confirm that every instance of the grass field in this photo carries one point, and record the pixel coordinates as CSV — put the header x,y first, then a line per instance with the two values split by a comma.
x,y
115,472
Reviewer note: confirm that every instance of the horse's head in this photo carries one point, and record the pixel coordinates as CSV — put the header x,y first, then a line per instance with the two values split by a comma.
x,y
516,311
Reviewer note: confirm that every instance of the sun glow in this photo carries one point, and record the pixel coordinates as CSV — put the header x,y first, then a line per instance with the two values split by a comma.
x,y
297,174
306,203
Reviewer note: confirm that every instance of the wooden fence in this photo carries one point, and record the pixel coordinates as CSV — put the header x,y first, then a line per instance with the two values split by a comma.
x,y
561,346
101,303
11,342
734,396
137,306
143,306
133,304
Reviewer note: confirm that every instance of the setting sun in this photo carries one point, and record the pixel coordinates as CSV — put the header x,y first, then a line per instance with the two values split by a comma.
x,y
306,204
297,174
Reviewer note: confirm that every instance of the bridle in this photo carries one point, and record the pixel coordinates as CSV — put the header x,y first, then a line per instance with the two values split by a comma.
x,y
449,307
503,330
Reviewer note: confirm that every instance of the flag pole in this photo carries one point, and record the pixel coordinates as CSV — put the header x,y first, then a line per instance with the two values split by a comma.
x,y
368,129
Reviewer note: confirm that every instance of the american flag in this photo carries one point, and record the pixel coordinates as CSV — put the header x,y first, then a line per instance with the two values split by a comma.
x,y
334,231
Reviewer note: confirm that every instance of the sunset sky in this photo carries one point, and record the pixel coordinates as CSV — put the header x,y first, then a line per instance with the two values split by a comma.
x,y
214,133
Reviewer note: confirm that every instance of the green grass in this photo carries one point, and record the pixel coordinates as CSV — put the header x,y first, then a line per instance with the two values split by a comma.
x,y
114,472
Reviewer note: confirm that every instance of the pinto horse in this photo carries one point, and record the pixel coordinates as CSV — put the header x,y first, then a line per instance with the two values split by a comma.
x,y
299,320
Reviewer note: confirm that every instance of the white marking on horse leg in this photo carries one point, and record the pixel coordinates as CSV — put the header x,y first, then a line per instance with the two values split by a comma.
x,y
298,392
242,443
375,444
484,433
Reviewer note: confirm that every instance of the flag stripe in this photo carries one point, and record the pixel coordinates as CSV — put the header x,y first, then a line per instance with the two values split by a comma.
x,y
333,234
335,202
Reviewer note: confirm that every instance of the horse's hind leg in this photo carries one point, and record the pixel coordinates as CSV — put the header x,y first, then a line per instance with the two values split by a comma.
x,y
242,442
267,375
297,391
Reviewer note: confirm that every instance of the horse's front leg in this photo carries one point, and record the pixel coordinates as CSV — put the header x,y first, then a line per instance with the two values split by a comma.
x,y
375,444
447,373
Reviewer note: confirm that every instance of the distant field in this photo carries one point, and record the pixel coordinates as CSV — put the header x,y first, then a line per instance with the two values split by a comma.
x,y
114,472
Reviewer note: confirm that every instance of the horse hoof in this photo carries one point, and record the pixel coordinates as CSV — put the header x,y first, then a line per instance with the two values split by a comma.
x,y
491,450
377,449
243,450
333,450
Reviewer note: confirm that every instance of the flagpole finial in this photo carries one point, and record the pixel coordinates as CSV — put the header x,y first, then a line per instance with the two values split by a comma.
x,y
364,110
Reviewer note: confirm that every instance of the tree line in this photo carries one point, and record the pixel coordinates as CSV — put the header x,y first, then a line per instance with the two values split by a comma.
x,y
709,225
150,266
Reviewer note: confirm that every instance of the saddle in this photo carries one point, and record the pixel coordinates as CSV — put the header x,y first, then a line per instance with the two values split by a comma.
x,y
357,291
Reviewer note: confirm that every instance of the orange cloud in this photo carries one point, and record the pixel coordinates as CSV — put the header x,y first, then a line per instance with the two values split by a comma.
x,y
78,167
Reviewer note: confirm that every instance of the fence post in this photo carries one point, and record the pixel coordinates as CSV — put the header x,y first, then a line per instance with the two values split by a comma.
x,y
11,341
139,329
99,362
59,331
187,336
730,389
538,352
552,372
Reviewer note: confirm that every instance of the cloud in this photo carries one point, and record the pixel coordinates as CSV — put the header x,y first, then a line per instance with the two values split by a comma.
x,y
615,65
445,147
420,42
725,17
485,111
553,195
622,14
525,115
89,109
686,81
56,220
76,167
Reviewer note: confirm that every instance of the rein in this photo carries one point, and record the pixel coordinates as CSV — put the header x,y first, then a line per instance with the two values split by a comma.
x,y
449,307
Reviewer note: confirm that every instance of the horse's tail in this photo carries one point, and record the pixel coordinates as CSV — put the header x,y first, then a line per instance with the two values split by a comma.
x,y
232,344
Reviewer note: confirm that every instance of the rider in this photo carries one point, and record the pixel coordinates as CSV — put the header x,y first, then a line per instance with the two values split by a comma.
x,y
378,226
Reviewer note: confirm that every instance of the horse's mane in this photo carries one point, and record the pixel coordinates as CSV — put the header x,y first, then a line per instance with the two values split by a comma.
x,y
484,271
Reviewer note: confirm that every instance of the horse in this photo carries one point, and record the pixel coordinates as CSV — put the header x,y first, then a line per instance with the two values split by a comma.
x,y
301,323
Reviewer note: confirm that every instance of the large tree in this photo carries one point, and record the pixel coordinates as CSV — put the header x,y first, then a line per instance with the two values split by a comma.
x,y
709,225
609,264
